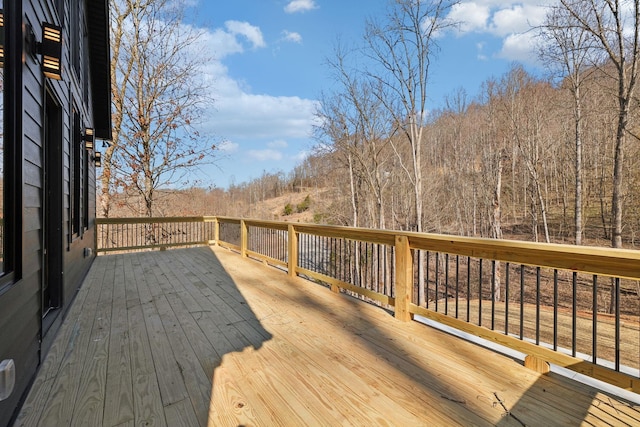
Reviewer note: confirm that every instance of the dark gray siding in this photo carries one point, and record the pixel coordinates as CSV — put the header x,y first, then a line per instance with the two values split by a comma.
x,y
21,337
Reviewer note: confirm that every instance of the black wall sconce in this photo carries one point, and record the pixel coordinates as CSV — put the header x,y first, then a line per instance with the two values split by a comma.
x,y
97,158
1,38
50,48
88,139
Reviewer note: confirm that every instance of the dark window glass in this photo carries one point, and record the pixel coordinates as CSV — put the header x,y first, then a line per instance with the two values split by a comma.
x,y
76,154
2,150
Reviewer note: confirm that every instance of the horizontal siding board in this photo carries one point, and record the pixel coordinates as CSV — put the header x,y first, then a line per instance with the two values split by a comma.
x,y
31,196
15,301
32,173
31,218
32,151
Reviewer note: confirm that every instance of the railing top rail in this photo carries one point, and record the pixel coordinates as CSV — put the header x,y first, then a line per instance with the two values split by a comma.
x,y
586,259
624,263
278,225
150,220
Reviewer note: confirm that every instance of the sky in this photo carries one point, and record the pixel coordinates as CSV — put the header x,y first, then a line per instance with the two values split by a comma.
x,y
269,69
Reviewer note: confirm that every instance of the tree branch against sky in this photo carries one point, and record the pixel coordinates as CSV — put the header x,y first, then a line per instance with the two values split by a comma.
x,y
615,25
402,48
569,50
159,94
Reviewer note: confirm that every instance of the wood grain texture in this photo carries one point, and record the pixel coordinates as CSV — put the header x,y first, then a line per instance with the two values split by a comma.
x,y
202,337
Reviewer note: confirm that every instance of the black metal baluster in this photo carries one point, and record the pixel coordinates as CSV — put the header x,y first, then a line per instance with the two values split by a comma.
x,y
437,278
480,292
521,301
594,327
446,284
617,343
555,309
506,298
457,284
537,305
574,314
493,295
468,289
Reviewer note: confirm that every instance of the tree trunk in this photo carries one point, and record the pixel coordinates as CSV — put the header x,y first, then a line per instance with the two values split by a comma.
x,y
578,165
497,219
354,203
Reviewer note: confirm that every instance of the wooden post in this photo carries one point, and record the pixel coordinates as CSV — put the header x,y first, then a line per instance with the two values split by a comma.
x,y
244,238
537,364
404,278
95,235
292,255
216,231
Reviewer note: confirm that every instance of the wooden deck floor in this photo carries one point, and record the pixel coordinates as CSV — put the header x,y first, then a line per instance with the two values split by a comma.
x,y
200,337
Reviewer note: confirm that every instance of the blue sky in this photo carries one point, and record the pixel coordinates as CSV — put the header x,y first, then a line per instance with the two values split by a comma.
x,y
269,68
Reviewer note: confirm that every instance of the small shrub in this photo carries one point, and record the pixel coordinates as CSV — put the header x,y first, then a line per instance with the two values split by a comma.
x,y
304,205
288,209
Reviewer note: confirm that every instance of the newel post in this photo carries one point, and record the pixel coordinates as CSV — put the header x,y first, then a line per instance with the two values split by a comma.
x,y
216,231
404,278
292,253
244,238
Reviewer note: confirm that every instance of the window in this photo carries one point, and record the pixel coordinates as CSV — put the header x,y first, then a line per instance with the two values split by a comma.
x,y
77,149
10,150
2,151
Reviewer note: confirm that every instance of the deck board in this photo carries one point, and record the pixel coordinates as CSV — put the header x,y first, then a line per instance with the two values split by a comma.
x,y
201,337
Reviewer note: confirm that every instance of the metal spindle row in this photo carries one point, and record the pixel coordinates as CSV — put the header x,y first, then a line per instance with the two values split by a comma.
x,y
448,291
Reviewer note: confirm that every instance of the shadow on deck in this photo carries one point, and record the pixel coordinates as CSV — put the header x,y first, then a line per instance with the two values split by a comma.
x,y
202,337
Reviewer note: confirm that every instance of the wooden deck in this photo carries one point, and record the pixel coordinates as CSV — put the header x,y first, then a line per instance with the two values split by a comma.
x,y
201,337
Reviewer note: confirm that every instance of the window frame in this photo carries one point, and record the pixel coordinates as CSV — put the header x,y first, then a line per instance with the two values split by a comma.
x,y
12,152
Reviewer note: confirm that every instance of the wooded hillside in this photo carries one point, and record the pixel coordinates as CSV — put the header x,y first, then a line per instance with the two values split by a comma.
x,y
552,160
517,141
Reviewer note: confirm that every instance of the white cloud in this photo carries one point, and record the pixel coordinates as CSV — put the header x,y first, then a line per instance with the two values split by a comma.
x,y
265,155
250,32
471,16
498,18
508,20
253,126
292,37
300,6
232,39
228,146
481,55
278,143
246,115
223,43
518,47
517,19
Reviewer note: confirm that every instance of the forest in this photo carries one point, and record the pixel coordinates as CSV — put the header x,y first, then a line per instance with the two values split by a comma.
x,y
516,140
550,158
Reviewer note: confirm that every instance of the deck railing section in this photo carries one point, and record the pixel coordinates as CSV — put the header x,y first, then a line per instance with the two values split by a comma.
x,y
573,306
125,234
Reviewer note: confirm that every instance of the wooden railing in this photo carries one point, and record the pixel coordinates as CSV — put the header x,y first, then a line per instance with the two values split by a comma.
x,y
126,234
573,306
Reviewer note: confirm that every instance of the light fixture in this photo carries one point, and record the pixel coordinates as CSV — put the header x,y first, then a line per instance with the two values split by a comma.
x,y
97,158
1,38
51,50
88,138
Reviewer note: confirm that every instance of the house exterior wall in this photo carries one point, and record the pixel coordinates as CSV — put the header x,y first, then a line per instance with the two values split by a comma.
x,y
50,195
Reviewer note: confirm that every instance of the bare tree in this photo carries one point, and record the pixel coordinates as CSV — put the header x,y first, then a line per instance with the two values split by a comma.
x,y
403,47
568,49
158,92
615,24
